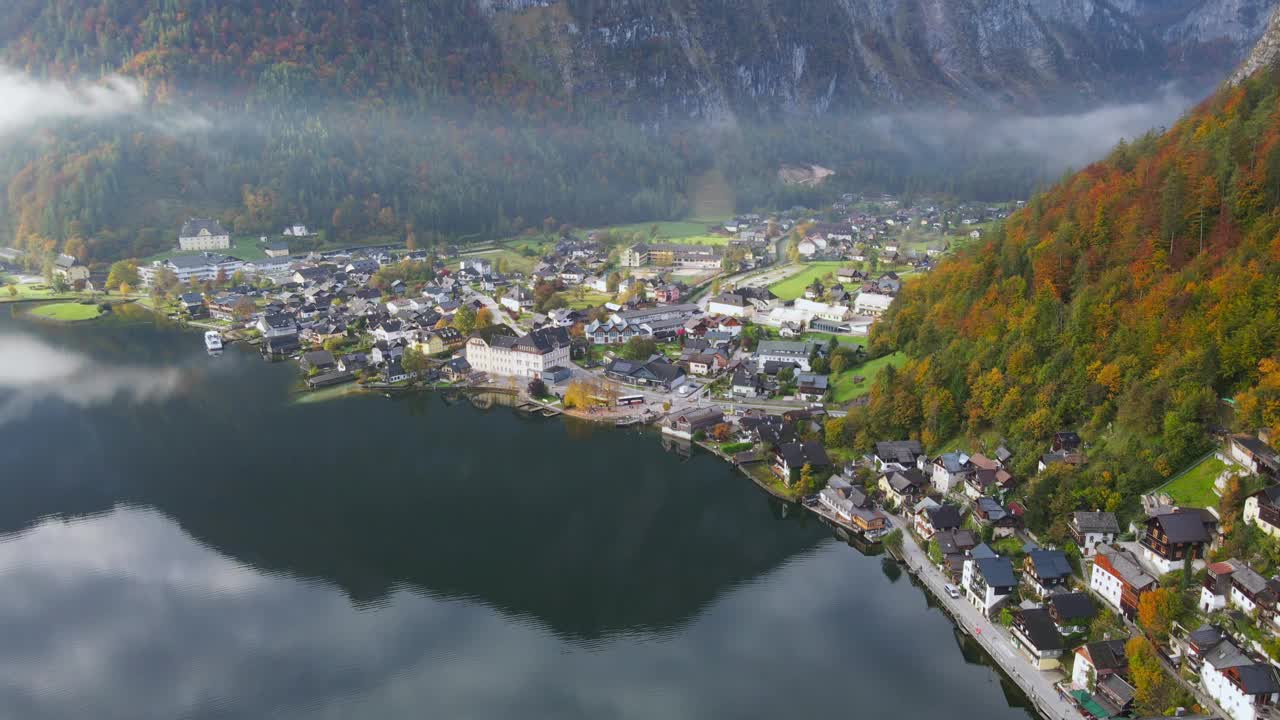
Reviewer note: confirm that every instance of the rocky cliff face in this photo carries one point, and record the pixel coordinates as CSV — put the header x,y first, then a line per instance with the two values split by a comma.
x,y
1264,53
719,58
662,59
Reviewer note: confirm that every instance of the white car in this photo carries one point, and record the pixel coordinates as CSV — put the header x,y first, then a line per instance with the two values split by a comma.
x,y
952,591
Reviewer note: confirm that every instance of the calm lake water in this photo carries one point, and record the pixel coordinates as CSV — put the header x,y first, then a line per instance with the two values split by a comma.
x,y
182,539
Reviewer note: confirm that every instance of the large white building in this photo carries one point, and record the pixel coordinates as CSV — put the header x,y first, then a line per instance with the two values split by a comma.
x,y
730,305
825,311
527,356
987,579
872,304
203,234
198,267
780,351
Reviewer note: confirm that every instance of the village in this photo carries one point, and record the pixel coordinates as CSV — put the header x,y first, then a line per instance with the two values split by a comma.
x,y
745,342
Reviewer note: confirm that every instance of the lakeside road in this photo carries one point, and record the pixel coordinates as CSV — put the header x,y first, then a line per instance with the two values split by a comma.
x,y
1038,685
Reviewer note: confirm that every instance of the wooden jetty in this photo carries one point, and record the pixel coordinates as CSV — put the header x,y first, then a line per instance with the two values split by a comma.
x,y
815,507
532,407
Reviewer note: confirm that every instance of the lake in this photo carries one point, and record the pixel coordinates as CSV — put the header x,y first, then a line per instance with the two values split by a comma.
x,y
182,538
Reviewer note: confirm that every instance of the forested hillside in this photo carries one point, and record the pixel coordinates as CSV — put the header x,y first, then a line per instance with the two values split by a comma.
x,y
469,118
1124,303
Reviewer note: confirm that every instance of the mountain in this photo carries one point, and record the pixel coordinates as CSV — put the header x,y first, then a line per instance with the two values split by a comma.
x,y
1124,302
1264,53
673,59
484,118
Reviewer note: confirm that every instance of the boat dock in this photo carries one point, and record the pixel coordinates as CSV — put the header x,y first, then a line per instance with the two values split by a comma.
x,y
533,406
815,507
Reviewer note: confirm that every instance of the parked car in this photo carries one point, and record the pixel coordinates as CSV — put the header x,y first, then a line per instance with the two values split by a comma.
x,y
952,591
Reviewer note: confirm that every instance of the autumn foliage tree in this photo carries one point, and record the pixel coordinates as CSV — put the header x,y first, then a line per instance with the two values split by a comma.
x,y
1121,303
1156,693
1157,611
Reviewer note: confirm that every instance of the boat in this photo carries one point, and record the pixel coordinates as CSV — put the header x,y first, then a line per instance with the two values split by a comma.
x,y
213,340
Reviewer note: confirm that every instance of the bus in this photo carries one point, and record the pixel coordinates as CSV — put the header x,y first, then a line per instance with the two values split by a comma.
x,y
630,400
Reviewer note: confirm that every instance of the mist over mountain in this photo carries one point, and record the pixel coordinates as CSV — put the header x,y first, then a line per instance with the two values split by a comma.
x,y
469,118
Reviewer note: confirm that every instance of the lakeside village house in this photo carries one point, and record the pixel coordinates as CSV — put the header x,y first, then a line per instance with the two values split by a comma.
x,y
534,355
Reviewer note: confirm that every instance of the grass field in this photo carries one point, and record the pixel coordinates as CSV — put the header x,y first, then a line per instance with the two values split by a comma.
x,y
1194,487
844,389
825,338
793,287
67,311
242,246
29,291
692,231
509,257
587,301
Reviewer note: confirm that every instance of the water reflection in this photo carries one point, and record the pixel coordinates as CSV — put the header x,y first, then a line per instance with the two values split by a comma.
x,y
32,371
224,553
122,616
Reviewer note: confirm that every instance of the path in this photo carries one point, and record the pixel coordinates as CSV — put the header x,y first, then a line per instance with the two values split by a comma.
x,y
1038,685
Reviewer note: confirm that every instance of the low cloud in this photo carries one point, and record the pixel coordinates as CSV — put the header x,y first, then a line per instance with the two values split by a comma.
x,y
29,102
32,371
1060,141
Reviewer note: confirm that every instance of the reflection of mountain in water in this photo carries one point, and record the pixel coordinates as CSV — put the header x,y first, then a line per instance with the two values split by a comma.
x,y
590,536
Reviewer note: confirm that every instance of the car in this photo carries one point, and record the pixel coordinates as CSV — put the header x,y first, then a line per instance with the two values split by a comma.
x,y
952,591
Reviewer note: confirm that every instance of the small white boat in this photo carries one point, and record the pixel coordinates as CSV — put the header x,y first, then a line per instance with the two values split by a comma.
x,y
213,340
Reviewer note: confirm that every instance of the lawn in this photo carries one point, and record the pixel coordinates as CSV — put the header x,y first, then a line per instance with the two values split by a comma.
x,y
825,338
30,291
511,260
685,232
761,473
67,311
793,287
587,300
1194,487
844,389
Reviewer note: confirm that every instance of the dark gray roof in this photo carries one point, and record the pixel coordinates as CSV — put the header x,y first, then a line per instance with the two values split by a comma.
x,y
983,551
1127,566
1258,679
800,454
1245,577
1096,522
1183,526
997,571
1038,627
544,340
192,227
1269,496
945,517
1108,654
318,357
198,260
1117,688
1259,449
1072,606
278,321
1050,564
953,462
910,479
903,452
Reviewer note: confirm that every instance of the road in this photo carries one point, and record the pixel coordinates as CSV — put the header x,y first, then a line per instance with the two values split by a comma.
x,y
499,313
1038,685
